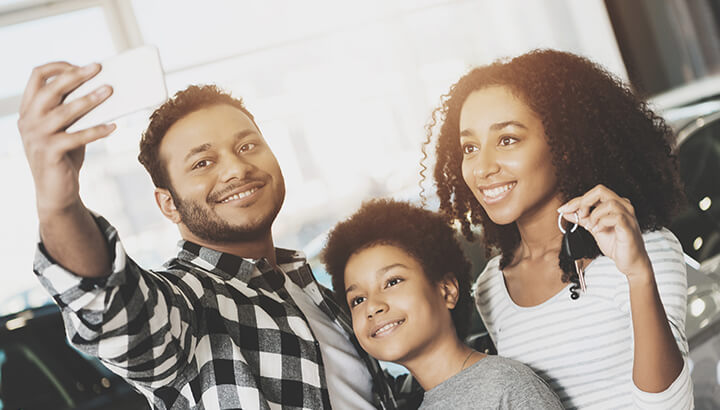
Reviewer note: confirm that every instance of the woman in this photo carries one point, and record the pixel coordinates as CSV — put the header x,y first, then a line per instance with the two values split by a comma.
x,y
546,133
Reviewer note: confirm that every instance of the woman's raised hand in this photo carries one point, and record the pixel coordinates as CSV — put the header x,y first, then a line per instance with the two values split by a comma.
x,y
611,221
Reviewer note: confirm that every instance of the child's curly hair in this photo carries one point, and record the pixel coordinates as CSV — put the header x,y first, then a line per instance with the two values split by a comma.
x,y
423,234
598,131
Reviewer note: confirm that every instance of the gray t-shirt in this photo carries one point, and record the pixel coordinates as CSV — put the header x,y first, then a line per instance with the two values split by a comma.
x,y
492,383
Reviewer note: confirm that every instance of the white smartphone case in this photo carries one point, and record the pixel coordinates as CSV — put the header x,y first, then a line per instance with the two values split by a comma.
x,y
138,83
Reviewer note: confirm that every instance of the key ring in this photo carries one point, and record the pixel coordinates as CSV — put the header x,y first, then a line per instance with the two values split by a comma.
x,y
560,218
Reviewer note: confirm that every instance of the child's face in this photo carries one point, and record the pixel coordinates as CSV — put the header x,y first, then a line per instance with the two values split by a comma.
x,y
397,312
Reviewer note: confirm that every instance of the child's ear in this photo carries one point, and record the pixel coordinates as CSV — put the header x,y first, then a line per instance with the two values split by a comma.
x,y
450,290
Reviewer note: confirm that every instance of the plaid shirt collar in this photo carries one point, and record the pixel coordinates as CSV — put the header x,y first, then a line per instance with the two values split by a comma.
x,y
260,273
229,266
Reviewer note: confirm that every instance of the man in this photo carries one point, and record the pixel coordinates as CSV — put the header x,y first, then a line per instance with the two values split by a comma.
x,y
231,321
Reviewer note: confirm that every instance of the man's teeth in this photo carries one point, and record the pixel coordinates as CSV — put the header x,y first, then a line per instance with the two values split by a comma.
x,y
388,327
497,191
239,195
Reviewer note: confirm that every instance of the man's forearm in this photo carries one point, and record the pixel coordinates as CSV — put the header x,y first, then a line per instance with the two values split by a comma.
x,y
73,239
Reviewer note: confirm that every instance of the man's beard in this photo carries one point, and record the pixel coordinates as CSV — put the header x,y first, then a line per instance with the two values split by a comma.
x,y
206,225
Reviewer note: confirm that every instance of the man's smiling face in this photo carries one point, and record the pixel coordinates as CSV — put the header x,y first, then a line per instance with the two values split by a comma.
x,y
225,181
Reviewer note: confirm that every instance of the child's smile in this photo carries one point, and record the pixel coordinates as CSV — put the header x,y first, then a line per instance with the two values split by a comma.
x,y
397,311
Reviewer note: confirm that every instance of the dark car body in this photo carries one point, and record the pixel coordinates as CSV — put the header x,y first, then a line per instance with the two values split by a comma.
x,y
40,370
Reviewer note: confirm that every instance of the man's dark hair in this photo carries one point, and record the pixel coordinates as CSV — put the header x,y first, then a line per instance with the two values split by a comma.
x,y
423,234
598,131
189,100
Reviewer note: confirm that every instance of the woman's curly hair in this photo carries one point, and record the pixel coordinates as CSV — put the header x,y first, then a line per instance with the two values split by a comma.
x,y
423,234
598,131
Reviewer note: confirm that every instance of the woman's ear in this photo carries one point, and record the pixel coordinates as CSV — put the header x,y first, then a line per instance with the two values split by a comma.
x,y
450,290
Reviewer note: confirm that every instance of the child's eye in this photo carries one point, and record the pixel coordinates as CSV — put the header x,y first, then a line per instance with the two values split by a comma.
x,y
356,301
393,282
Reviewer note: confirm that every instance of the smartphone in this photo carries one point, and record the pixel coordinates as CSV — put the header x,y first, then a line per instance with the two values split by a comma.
x,y
138,83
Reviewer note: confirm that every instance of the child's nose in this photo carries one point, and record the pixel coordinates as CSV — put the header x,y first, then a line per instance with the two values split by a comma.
x,y
376,308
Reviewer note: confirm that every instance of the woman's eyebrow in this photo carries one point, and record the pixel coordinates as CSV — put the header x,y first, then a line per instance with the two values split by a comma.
x,y
500,125
495,127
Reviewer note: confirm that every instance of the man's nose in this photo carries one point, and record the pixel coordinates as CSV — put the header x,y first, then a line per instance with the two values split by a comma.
x,y
234,167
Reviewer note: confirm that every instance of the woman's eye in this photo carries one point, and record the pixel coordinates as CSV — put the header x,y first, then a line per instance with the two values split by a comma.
x,y
356,301
468,149
393,282
507,140
247,147
201,164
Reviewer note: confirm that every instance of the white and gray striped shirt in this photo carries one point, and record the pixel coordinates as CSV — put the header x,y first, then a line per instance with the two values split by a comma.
x,y
584,348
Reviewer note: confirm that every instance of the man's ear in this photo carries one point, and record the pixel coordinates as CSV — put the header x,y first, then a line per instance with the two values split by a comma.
x,y
450,290
166,204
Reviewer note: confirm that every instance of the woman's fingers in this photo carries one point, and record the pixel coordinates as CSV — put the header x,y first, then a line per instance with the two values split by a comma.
x,y
584,205
610,207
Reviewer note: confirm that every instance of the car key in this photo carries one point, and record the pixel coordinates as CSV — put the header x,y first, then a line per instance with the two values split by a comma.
x,y
575,245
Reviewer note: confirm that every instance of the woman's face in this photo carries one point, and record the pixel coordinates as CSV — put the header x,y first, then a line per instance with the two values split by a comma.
x,y
506,158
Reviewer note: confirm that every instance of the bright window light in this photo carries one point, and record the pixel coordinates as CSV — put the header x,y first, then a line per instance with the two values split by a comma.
x,y
698,243
705,203
79,37
697,307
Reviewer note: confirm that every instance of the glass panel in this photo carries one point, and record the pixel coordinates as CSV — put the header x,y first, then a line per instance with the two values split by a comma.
x,y
78,37
698,227
341,91
344,109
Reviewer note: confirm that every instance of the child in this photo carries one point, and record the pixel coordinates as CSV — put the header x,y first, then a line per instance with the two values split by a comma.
x,y
406,282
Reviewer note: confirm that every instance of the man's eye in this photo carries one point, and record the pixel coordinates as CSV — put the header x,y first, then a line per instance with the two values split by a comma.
x,y
201,164
356,301
247,147
468,149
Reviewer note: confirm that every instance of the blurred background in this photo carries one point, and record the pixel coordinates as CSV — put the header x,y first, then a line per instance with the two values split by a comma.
x,y
342,91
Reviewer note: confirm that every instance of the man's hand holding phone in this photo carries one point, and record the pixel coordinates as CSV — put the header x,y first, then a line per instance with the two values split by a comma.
x,y
55,155
60,113
65,107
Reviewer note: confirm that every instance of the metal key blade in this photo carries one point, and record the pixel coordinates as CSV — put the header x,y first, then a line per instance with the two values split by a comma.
x,y
581,275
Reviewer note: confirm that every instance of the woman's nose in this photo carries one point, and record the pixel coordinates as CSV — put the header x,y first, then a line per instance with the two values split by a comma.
x,y
485,164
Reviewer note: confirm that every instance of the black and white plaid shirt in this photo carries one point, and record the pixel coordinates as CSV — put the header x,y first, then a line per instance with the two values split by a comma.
x,y
211,330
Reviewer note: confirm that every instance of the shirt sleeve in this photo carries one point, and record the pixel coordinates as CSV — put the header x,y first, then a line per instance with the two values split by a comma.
x,y
528,391
668,264
132,320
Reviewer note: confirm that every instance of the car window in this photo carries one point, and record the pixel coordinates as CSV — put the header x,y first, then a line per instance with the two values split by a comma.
x,y
698,227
